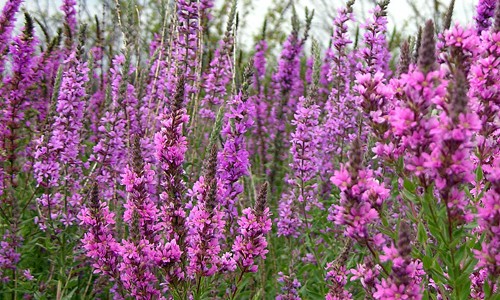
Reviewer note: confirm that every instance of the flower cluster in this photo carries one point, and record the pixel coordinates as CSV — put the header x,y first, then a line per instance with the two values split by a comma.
x,y
304,148
405,280
58,163
251,243
361,195
489,220
290,286
233,159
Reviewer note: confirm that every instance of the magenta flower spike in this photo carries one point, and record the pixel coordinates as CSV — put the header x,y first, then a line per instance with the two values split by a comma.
x,y
290,287
70,18
7,22
58,163
171,146
233,159
375,51
361,195
251,242
340,120
485,10
406,278
206,223
98,242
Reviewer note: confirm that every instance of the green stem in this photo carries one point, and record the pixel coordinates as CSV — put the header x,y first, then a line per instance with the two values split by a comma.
x,y
238,283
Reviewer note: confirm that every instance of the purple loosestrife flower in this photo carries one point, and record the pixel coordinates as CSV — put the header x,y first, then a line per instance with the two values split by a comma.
x,y
140,212
98,97
185,51
233,160
140,252
206,228
478,279
484,80
95,108
289,220
406,277
427,51
485,10
15,88
290,287
367,273
205,223
305,146
171,146
360,195
336,276
27,275
303,193
216,80
449,161
488,215
259,108
136,269
220,72
286,83
98,242
340,40
7,22
46,71
9,254
375,51
156,98
251,242
374,100
416,94
259,59
58,167
69,9
405,59
124,94
370,89
14,125
158,87
324,81
205,5
287,79
461,38
340,121
110,152
286,88
463,45
169,256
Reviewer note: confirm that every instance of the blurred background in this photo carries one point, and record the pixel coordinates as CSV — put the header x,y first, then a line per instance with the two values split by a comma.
x,y
404,15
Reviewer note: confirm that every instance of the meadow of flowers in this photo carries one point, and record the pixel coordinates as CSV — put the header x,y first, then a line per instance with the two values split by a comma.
x,y
145,155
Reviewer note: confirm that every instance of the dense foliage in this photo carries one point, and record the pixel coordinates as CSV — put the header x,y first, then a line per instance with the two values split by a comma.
x,y
155,159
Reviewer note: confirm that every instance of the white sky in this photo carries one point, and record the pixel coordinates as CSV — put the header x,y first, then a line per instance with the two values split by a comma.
x,y
399,12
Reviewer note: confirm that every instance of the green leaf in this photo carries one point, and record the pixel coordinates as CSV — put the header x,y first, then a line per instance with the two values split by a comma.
x,y
479,174
487,287
428,262
70,295
422,234
410,186
465,290
409,195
